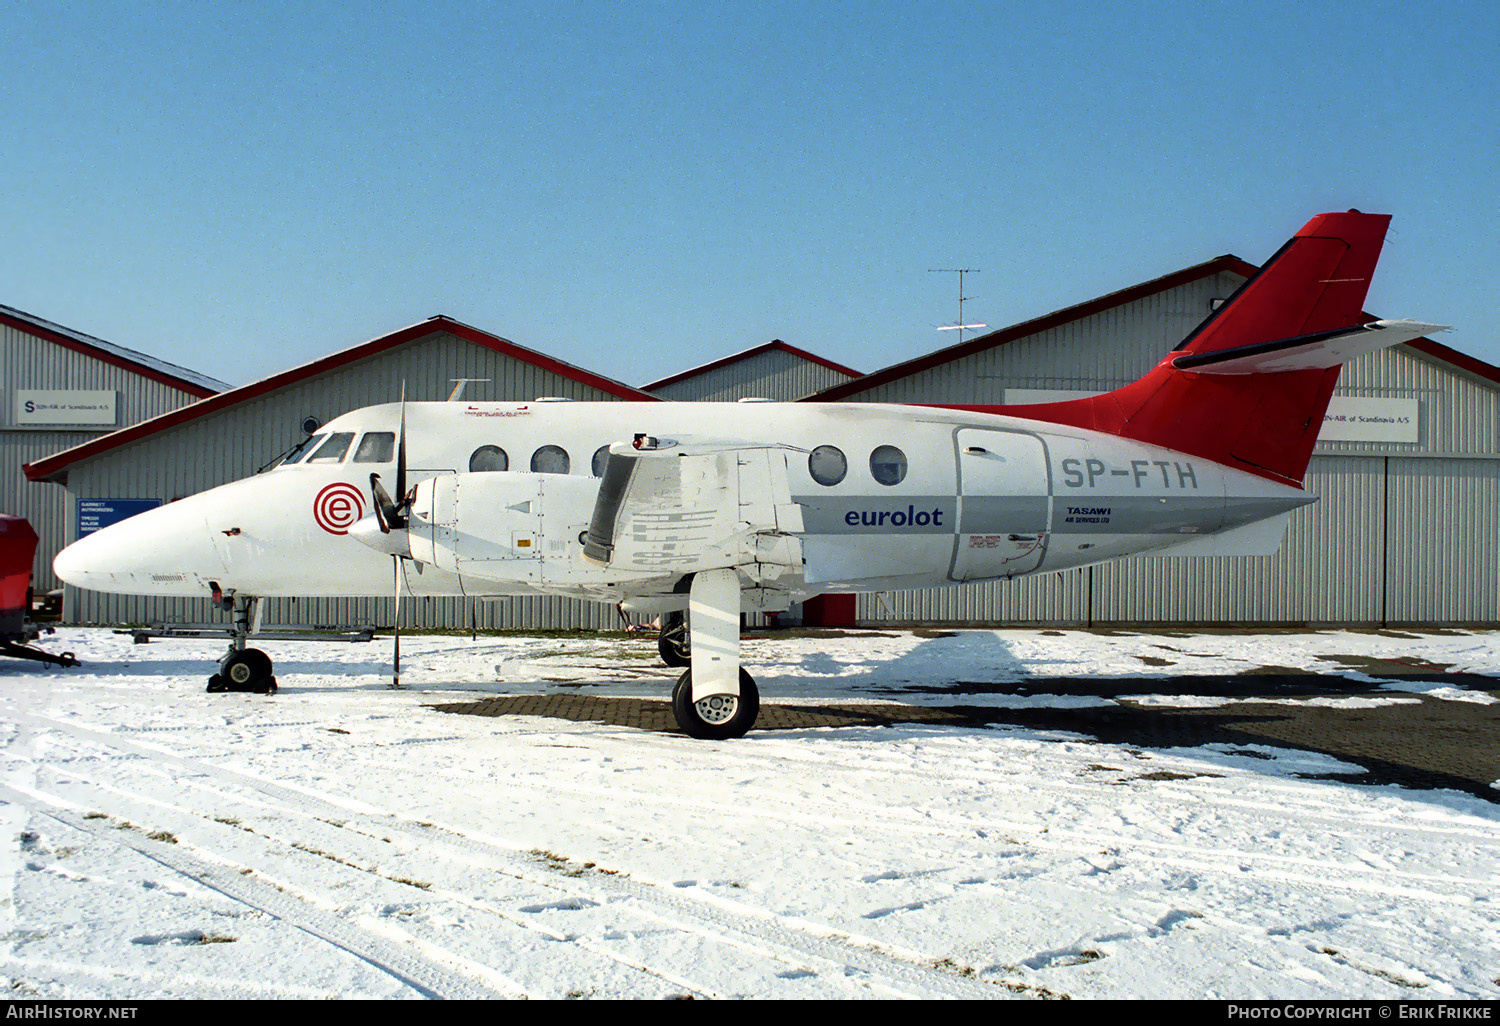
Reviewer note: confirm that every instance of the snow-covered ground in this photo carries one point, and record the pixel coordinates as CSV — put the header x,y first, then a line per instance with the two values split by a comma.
x,y
340,839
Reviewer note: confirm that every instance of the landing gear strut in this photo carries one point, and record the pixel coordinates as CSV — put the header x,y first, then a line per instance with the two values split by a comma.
x,y
243,669
715,699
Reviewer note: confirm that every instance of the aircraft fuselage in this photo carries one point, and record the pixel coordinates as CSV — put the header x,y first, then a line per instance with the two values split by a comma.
x,y
889,497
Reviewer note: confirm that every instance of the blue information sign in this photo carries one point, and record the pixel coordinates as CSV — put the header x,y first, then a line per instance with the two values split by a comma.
x,y
94,514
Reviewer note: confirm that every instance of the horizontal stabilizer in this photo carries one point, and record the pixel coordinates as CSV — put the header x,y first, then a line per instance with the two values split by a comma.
x,y
1317,351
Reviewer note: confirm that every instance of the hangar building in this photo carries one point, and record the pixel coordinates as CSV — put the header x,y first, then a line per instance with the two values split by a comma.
x,y
773,371
232,435
63,388
1407,469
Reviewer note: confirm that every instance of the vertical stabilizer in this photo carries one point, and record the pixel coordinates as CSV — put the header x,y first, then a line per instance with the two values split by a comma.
x,y
1265,423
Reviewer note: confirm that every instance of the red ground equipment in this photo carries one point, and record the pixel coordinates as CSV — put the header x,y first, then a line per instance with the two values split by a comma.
x,y
17,549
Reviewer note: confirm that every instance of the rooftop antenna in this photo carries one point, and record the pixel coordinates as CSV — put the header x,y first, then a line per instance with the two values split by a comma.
x,y
960,271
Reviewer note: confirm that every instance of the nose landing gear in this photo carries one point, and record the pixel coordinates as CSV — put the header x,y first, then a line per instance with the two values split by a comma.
x,y
242,669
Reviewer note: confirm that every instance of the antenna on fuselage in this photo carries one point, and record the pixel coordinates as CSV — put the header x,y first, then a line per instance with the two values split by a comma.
x,y
960,271
458,387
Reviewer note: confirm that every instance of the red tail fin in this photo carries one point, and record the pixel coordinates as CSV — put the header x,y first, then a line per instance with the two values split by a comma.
x,y
1264,423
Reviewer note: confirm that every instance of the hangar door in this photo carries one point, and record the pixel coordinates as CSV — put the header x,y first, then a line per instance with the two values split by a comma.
x,y
1443,541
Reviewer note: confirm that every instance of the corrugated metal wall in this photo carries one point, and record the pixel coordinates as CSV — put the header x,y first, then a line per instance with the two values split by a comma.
x,y
1443,541
1326,571
775,374
29,362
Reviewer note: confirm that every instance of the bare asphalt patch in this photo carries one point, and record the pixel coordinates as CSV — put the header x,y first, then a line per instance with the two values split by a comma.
x,y
1428,743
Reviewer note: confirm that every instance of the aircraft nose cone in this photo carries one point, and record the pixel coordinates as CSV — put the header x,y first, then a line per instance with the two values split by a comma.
x,y
164,551
71,563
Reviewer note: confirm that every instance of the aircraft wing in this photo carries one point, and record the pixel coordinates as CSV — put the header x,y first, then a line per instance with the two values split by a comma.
x,y
681,507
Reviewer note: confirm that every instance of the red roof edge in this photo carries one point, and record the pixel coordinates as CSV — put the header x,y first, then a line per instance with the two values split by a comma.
x,y
1228,262
51,467
78,345
771,346
1463,361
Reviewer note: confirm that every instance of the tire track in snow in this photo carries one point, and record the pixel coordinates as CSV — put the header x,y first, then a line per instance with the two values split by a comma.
x,y
290,844
853,965
293,844
1356,875
424,976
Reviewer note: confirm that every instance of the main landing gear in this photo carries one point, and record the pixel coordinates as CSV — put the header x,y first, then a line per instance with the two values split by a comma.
x,y
242,669
715,699
673,642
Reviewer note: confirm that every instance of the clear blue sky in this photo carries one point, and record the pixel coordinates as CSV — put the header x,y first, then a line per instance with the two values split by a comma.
x,y
641,187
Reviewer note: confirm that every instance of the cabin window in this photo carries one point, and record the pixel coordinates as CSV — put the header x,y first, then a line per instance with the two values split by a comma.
x,y
376,447
827,464
333,450
550,459
307,446
888,465
601,457
487,459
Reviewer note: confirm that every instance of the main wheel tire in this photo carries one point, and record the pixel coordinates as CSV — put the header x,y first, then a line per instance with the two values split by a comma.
x,y
718,717
672,642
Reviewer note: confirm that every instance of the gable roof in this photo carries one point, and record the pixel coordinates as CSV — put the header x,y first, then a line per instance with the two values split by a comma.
x,y
775,345
980,343
191,382
55,467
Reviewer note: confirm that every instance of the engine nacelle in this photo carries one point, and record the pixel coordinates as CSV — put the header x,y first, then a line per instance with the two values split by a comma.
x,y
503,525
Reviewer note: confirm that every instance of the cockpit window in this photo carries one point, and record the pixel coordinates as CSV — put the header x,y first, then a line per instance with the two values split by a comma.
x,y
376,447
307,446
332,451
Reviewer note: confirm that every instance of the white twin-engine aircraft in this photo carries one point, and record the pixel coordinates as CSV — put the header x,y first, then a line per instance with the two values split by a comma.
x,y
710,509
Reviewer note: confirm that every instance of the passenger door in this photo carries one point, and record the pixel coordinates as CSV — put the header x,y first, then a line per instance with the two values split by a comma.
x,y
1004,506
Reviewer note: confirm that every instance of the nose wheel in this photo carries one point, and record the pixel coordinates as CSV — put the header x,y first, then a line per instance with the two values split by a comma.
x,y
245,669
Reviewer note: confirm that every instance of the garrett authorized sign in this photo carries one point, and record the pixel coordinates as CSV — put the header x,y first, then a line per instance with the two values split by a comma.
x,y
97,514
65,406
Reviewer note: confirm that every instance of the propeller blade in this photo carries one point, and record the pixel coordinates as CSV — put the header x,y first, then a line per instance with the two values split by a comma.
x,y
385,510
392,513
401,454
